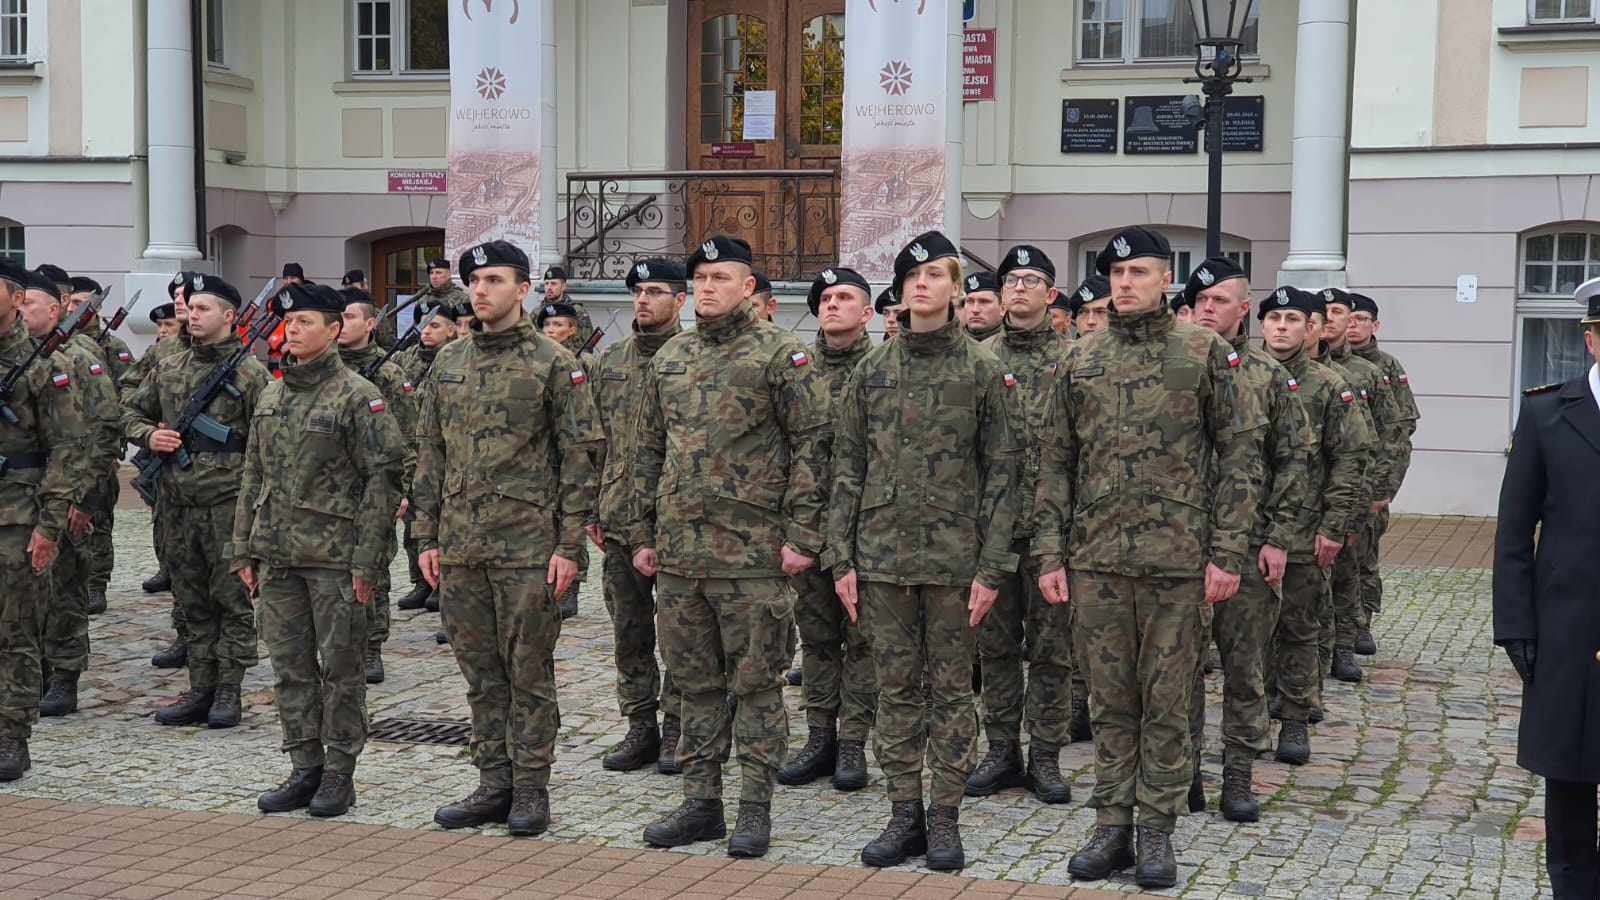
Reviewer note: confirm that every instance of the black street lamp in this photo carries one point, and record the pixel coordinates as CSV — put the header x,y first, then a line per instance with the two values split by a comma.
x,y
1219,24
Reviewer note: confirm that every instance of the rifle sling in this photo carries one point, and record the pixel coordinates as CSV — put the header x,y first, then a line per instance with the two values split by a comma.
x,y
196,442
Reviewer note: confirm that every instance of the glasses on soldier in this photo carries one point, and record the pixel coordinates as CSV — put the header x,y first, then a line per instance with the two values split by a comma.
x,y
1362,318
1029,281
650,292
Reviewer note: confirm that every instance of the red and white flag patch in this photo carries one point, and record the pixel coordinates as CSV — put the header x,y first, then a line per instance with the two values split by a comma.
x,y
407,387
1346,395
799,358
578,377
1010,380
1233,359
375,404
1385,379
60,380
95,368
1364,394
1404,379
1294,385
124,356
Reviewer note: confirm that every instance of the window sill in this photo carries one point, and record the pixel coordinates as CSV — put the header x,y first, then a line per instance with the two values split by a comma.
x,y
1095,73
392,84
228,79
1554,36
20,71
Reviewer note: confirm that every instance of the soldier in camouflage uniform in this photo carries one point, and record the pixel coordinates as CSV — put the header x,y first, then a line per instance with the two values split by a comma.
x,y
1023,627
555,291
503,490
984,314
1362,337
1218,292
415,361
198,502
1147,490
1339,446
559,323
312,531
46,463
1061,315
886,304
118,360
927,488
658,288
441,291
761,299
732,450
360,354
840,681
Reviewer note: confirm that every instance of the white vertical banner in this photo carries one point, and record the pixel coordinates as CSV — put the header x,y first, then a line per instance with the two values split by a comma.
x,y
896,97
495,117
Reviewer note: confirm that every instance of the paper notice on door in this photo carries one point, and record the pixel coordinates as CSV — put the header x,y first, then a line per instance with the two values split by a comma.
x,y
760,115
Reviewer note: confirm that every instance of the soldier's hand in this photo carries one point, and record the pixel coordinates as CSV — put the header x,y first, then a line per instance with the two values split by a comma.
x,y
1327,551
1271,562
562,572
405,504
845,587
41,552
164,439
78,522
597,535
428,562
248,576
644,559
1053,585
364,589
1524,654
794,562
1219,584
980,600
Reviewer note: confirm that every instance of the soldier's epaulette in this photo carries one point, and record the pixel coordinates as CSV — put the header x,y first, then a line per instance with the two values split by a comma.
x,y
1541,389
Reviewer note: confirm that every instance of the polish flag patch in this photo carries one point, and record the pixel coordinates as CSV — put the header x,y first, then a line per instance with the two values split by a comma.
x,y
1346,396
375,404
95,368
1364,394
578,377
1385,379
60,380
124,356
1294,385
1404,379
1010,380
1233,360
407,388
799,358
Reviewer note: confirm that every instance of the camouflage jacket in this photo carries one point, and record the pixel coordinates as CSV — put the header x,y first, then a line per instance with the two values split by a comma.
x,y
1363,405
619,377
504,472
732,453
1403,403
1032,357
1340,447
158,351
928,460
1151,457
399,395
416,360
118,356
213,476
48,451
1285,442
100,401
322,473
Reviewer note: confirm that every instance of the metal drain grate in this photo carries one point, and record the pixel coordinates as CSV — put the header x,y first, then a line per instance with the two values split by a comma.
x,y
451,733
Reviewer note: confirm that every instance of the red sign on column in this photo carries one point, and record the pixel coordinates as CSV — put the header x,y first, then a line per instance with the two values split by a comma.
x,y
977,64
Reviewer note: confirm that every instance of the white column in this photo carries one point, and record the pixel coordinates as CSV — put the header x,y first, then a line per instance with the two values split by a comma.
x,y
549,188
954,123
169,109
1318,189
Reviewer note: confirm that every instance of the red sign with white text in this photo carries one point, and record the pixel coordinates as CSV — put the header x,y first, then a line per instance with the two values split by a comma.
x,y
416,181
977,64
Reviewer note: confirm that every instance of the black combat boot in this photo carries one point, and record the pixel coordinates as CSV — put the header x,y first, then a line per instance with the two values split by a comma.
x,y
640,747
667,763
1197,788
693,820
1365,645
1238,802
1344,666
294,793
944,839
905,836
97,602
225,707
432,603
568,604
1314,715
1079,729
439,637
1157,867
753,830
817,758
14,759
1001,769
480,807
61,697
1044,773
1294,744
795,678
374,664
416,599
1109,849
192,708
850,772
159,583
1275,708
334,796
176,656
530,812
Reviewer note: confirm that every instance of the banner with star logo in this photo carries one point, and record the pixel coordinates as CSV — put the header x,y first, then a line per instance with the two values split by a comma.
x,y
495,94
893,148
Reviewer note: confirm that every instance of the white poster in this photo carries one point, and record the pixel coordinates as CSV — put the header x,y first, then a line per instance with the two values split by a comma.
x,y
895,98
493,156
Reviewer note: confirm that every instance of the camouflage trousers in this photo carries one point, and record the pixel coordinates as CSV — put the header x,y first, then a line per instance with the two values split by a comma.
x,y
102,554
378,619
642,688
1139,640
503,626
22,612
158,539
314,628
1371,578
1295,669
922,647
840,681
1022,627
1242,626
219,622
413,550
66,616
1348,612
719,635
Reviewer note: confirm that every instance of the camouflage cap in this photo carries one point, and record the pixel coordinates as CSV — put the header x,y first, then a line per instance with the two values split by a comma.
x,y
831,276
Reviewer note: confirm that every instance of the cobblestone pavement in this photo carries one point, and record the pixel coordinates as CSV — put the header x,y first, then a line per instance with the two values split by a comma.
x,y
1413,789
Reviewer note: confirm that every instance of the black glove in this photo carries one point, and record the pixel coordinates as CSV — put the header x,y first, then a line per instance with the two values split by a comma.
x,y
1523,654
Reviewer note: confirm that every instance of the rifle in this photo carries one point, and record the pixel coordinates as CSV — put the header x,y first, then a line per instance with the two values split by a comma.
x,y
194,417
412,335
116,319
58,335
594,339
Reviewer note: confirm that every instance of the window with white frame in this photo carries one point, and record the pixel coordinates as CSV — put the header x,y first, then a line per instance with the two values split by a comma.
x,y
216,34
399,37
12,246
1128,31
1552,263
1557,12
13,29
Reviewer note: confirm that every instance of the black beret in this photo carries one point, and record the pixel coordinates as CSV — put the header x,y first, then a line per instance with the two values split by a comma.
x,y
1291,298
13,272
56,274
556,310
164,312
302,297
356,275
84,284
763,283
293,270
492,253
929,245
438,263
981,281
1027,256
884,300
1363,303
39,281
1213,271
184,280
1132,243
1335,295
656,269
1093,288
211,284
357,295
447,310
831,276
719,248
555,272
1180,300
1063,302
464,310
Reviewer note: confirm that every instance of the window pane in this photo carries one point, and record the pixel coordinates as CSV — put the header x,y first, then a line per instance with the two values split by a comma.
x,y
1542,247
1578,9
214,32
1114,10
1092,9
1536,279
710,129
1251,36
364,55
1571,246
1552,351
1547,9
1166,28
380,54
1091,41
1113,42
710,68
382,11
363,18
1568,278
427,36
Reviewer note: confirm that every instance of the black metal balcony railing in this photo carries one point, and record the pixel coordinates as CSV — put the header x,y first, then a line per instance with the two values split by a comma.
x,y
789,216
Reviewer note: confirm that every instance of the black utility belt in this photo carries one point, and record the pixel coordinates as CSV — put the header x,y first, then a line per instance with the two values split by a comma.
x,y
9,461
199,443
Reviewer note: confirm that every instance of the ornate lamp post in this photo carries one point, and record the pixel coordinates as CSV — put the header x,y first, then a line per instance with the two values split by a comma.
x,y
1219,23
